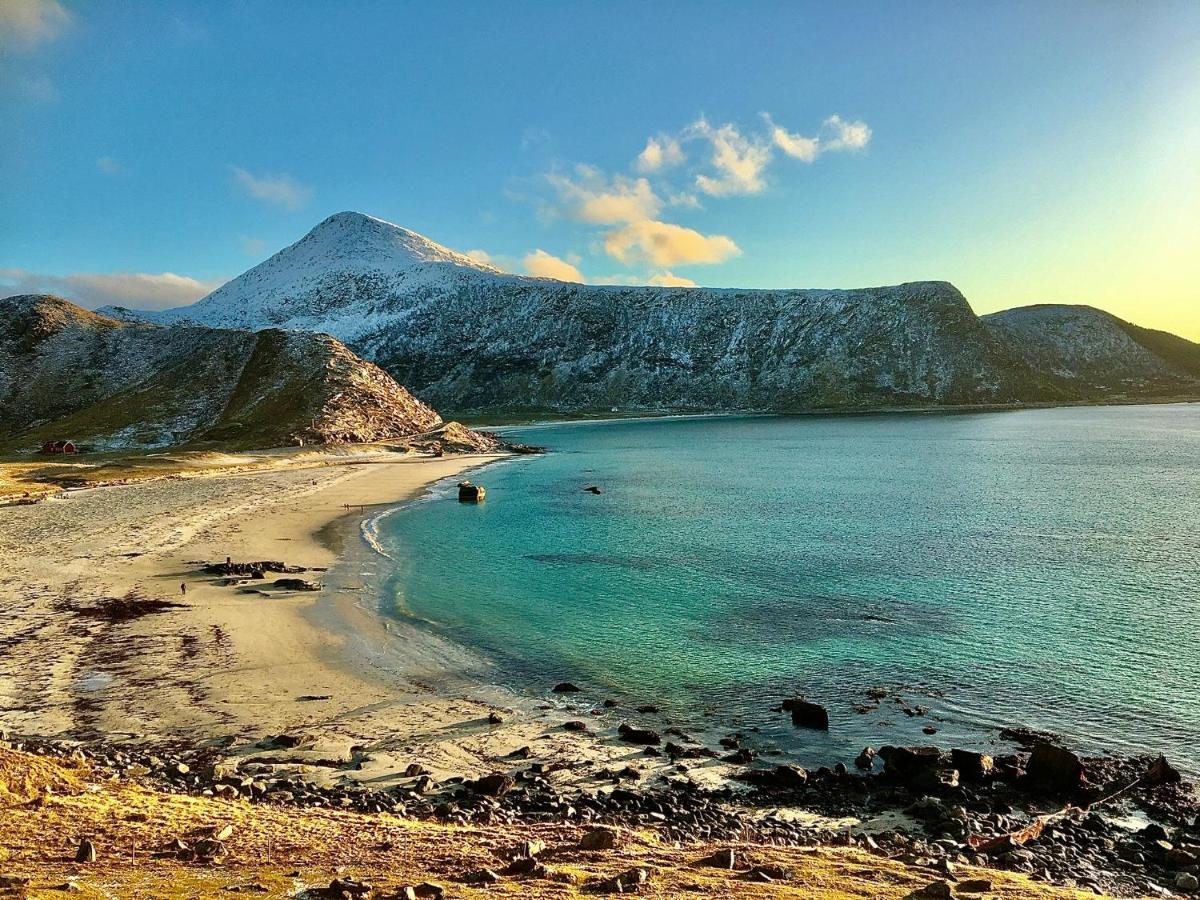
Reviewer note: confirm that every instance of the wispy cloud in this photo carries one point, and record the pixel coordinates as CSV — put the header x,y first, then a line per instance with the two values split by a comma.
x,y
660,153
24,24
280,190
546,265
141,290
662,244
836,134
590,197
739,160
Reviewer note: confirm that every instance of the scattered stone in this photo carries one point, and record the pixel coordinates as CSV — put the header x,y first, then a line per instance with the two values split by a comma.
x,y
722,859
972,766
565,687
866,759
1055,769
625,883
575,725
935,890
1186,881
974,886
598,839
347,887
496,785
482,876
86,852
495,719
632,735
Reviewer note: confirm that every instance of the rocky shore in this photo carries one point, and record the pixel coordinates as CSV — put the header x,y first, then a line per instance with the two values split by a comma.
x,y
1117,826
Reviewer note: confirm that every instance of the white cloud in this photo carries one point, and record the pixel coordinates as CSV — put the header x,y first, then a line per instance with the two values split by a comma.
x,y
590,197
796,146
686,199
281,190
27,23
662,244
546,265
836,134
660,153
109,166
480,256
141,290
668,279
739,160
846,135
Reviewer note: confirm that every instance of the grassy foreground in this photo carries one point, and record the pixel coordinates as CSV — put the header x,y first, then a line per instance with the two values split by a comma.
x,y
47,807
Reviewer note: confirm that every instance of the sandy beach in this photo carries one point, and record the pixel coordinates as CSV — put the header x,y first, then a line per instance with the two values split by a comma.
x,y
231,664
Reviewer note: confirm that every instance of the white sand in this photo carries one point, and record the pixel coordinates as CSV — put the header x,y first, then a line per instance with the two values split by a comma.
x,y
235,664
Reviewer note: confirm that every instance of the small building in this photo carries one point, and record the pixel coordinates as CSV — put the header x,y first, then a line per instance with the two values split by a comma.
x,y
58,447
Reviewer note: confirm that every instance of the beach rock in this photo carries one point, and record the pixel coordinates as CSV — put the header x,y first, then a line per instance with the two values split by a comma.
x,y
575,725
1162,772
86,852
1054,769
470,493
1186,881
347,887
481,876
935,890
972,766
806,714
974,886
906,763
593,489
722,859
598,839
866,759
647,708
495,719
414,769
632,735
496,785
784,777
296,584
626,883
565,687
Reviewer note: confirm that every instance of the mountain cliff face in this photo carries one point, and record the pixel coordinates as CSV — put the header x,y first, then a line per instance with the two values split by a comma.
x,y
467,337
1092,355
69,373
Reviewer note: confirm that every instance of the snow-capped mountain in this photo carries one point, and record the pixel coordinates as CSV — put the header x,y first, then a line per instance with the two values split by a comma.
x,y
467,337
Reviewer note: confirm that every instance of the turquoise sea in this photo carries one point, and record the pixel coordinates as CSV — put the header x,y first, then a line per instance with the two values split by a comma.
x,y
1037,568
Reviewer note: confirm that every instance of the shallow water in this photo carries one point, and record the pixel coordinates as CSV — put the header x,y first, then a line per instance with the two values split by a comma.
x,y
1039,567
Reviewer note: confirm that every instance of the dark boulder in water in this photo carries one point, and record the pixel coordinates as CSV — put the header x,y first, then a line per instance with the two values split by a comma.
x,y
565,687
806,714
470,493
907,763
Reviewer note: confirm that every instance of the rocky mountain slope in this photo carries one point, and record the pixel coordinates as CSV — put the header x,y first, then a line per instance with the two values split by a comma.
x,y
467,337
69,373
1090,354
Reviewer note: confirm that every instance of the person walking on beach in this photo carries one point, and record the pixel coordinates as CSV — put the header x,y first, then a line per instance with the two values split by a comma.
x,y
183,588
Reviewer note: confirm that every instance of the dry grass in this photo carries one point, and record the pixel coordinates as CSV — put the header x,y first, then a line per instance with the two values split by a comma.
x,y
276,852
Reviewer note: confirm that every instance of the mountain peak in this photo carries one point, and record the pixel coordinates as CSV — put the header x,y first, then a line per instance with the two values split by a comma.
x,y
352,233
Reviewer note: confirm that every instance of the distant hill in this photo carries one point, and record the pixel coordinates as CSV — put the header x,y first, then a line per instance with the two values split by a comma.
x,y
72,374
1091,354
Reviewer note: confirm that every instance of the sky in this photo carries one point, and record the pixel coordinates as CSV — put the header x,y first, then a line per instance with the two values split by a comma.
x,y
1027,152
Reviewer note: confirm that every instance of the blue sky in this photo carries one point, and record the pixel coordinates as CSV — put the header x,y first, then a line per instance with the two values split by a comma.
x,y
1028,152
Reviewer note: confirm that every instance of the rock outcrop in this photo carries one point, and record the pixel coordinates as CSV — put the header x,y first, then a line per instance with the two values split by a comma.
x,y
65,371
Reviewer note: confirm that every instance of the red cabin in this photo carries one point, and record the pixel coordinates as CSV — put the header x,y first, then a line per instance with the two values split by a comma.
x,y
58,447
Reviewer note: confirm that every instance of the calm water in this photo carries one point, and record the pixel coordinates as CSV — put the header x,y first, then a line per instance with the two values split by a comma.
x,y
1038,567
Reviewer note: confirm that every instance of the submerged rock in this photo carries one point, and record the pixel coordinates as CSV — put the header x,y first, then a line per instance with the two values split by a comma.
x,y
806,714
